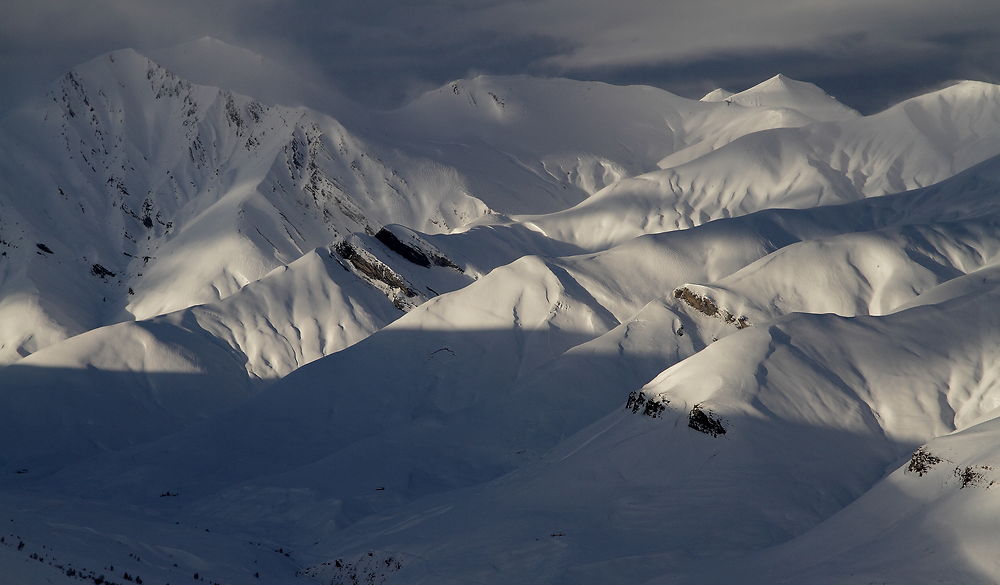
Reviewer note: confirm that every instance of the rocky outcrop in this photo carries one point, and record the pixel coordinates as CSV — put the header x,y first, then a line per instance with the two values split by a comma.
x,y
707,306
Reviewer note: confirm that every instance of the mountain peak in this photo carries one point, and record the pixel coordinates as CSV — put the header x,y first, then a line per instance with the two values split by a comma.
x,y
717,95
118,57
782,82
113,68
782,91
969,86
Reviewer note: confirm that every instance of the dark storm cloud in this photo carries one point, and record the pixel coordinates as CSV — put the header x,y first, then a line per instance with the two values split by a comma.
x,y
41,39
650,31
867,52
381,50
387,50
866,74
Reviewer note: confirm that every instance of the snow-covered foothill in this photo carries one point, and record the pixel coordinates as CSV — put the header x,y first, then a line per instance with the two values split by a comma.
x,y
519,330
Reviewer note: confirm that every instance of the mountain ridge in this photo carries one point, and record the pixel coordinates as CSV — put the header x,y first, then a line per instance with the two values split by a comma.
x,y
518,330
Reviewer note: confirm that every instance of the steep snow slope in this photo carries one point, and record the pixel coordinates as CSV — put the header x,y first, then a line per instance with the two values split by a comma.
x,y
742,254
521,143
716,95
913,144
531,145
779,102
668,495
811,376
322,303
261,185
932,520
170,194
783,92
478,414
876,272
450,354
214,354
248,187
813,409
383,418
327,300
318,305
894,382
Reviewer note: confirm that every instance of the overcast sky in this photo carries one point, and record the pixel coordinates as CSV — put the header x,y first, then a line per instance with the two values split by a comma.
x,y
868,53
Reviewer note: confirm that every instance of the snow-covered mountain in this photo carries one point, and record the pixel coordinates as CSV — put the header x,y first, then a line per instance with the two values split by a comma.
x,y
168,194
519,330
783,92
916,143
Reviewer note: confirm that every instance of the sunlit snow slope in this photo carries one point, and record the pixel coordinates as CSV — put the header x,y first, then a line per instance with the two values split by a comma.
x,y
519,330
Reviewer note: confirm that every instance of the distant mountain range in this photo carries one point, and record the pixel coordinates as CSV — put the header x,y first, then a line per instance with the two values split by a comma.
x,y
520,330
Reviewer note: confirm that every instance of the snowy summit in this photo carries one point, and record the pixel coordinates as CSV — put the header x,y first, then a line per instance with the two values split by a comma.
x,y
517,330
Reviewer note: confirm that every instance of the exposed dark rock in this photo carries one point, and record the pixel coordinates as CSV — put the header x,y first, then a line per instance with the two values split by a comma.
x,y
697,302
44,248
973,476
401,304
412,253
654,408
396,245
705,421
707,306
98,270
637,401
374,270
921,462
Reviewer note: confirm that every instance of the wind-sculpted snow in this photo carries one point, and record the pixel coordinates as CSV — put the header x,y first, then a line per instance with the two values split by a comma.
x,y
925,523
875,272
445,361
136,381
147,171
751,338
427,372
313,307
783,92
813,407
536,146
916,143
183,194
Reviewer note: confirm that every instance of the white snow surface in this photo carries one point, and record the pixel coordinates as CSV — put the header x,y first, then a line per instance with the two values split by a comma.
x,y
519,330
783,92
717,95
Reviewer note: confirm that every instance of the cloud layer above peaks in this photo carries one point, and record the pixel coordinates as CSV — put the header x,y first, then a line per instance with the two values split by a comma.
x,y
384,51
